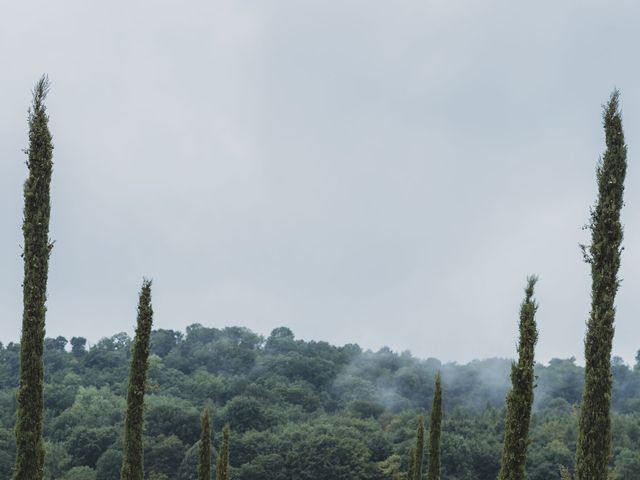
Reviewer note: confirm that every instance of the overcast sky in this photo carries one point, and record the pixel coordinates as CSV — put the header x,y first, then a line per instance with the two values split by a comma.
x,y
372,172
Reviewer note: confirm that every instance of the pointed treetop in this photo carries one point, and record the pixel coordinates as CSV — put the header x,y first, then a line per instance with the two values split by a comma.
x,y
40,91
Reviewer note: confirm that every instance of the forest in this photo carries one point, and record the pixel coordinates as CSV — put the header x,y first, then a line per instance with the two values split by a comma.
x,y
298,409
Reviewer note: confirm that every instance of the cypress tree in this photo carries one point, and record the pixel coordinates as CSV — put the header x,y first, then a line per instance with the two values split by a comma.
x,y
37,248
132,463
520,397
418,453
204,465
594,434
433,473
412,463
222,465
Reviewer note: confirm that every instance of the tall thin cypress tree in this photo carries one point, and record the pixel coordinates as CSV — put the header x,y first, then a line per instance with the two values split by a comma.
x,y
520,397
418,455
132,463
204,465
37,248
433,473
222,465
594,436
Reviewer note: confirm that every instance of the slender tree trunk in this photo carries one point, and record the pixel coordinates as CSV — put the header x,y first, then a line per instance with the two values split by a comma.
x,y
204,465
434,432
520,397
35,227
132,464
594,437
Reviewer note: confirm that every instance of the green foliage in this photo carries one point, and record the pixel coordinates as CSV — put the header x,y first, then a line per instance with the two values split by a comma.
x,y
247,413
564,473
390,467
188,469
222,465
86,445
80,473
163,455
418,452
91,408
132,464
167,414
304,429
264,467
435,429
594,440
204,465
37,247
56,461
158,476
320,452
411,474
78,346
109,465
520,398
627,465
7,452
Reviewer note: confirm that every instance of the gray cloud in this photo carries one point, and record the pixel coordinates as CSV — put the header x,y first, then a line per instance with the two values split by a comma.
x,y
386,174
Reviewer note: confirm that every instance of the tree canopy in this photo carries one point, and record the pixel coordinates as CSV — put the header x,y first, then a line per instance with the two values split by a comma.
x,y
338,408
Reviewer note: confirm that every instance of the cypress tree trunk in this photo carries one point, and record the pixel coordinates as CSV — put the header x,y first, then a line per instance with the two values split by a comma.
x,y
204,465
594,437
132,463
222,465
434,432
35,227
419,450
520,398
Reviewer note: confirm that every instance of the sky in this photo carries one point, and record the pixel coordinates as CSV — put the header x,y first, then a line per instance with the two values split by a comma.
x,y
371,172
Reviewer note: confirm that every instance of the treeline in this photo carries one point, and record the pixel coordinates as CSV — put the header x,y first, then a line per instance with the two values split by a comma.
x,y
297,406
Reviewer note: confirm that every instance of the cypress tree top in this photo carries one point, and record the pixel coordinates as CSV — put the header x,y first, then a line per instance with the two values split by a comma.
x,y
433,473
204,464
132,464
520,398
